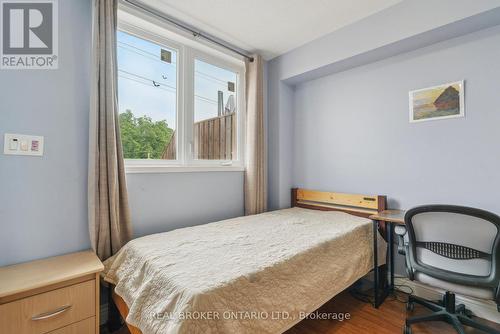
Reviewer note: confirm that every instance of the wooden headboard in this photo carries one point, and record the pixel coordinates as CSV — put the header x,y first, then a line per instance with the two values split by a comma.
x,y
358,205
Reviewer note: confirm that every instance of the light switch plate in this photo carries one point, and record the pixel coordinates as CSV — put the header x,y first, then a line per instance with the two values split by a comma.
x,y
17,144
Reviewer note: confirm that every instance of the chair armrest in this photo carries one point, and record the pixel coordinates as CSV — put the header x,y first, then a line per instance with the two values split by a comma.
x,y
403,249
400,231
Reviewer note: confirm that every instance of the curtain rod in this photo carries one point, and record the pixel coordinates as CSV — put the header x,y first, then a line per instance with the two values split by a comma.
x,y
188,28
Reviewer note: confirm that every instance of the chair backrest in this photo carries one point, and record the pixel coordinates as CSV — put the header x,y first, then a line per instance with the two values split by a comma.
x,y
454,243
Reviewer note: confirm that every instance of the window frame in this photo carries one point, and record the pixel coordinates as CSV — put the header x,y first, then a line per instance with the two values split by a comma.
x,y
194,55
186,56
162,41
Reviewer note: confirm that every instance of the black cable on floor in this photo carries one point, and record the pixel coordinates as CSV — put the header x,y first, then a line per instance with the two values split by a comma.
x,y
368,298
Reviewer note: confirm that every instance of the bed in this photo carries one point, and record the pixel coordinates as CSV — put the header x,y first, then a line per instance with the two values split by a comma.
x,y
254,274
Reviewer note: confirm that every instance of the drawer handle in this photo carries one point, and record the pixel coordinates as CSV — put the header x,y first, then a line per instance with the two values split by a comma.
x,y
51,314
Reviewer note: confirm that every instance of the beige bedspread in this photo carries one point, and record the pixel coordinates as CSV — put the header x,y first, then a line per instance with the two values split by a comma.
x,y
255,274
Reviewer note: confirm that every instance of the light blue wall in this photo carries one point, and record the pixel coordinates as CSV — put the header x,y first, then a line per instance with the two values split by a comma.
x,y
352,134
43,201
396,30
351,130
338,108
163,202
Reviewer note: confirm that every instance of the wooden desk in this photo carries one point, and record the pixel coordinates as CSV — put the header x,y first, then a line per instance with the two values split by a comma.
x,y
390,218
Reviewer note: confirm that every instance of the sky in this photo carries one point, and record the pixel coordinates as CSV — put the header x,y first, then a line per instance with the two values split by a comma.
x,y
147,85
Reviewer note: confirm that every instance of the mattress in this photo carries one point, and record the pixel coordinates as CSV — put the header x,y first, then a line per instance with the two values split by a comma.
x,y
254,274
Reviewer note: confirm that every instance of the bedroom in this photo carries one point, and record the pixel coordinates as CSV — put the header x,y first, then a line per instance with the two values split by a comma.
x,y
224,108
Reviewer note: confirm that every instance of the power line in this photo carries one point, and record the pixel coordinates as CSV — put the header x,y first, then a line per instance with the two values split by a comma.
x,y
142,55
148,55
168,89
207,76
148,52
145,84
137,48
148,79
206,99
212,78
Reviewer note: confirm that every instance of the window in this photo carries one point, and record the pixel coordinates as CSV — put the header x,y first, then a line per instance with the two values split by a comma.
x,y
147,91
179,105
215,109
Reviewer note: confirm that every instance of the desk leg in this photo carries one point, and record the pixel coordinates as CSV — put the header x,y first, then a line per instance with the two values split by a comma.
x,y
375,264
383,284
391,255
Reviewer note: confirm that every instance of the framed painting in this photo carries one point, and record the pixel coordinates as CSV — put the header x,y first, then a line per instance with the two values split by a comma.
x,y
437,102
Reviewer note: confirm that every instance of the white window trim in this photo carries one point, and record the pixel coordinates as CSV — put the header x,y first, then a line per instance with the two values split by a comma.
x,y
132,22
238,161
142,169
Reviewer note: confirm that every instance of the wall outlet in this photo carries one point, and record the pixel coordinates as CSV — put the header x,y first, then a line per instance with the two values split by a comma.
x,y
16,144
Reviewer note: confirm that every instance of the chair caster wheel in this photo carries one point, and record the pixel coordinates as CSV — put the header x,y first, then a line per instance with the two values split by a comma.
x,y
407,329
410,306
467,313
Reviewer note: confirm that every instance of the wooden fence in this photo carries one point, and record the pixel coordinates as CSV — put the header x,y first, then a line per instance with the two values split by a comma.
x,y
170,151
214,139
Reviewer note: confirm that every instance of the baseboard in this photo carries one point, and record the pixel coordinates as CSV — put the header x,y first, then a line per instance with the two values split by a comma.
x,y
481,308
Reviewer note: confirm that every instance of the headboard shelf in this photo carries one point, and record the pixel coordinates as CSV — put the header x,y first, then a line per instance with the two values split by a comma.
x,y
356,204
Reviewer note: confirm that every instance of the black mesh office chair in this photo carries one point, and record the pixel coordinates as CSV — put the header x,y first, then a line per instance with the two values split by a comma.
x,y
456,249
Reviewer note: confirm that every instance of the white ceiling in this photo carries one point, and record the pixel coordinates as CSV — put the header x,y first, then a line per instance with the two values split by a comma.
x,y
270,27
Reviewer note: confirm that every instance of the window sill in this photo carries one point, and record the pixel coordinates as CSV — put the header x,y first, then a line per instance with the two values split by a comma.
x,y
147,169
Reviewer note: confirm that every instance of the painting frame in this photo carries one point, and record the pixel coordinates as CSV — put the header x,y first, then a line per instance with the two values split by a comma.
x,y
461,101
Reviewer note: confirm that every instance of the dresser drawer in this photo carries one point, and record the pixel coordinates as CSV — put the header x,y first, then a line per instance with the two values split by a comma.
x,y
48,311
86,326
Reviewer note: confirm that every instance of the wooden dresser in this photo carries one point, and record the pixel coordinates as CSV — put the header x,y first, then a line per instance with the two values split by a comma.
x,y
58,295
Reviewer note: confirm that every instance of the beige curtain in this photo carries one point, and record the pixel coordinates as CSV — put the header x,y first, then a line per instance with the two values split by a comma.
x,y
255,172
109,216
